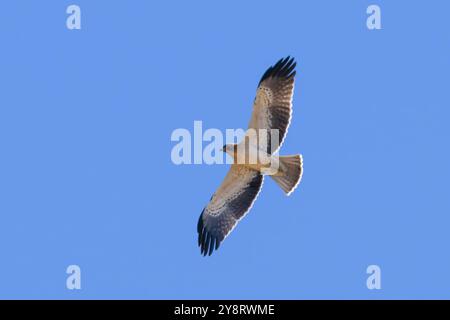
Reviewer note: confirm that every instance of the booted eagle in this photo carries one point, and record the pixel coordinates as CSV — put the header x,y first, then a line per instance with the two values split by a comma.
x,y
272,109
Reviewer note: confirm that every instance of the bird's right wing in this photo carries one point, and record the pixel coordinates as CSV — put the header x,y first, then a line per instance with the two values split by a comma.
x,y
232,200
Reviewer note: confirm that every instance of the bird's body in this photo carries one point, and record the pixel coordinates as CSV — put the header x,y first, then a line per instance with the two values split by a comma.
x,y
255,157
252,157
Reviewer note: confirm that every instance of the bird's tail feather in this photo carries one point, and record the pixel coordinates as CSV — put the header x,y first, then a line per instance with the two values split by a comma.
x,y
290,172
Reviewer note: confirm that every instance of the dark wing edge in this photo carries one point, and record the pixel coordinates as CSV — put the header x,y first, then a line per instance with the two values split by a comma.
x,y
213,229
284,68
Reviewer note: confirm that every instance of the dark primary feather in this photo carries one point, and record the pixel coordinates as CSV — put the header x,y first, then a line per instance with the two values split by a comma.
x,y
284,68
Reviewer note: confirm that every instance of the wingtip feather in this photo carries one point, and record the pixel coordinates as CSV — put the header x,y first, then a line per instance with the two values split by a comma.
x,y
284,68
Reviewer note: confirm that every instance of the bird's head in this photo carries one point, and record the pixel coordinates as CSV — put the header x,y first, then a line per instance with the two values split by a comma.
x,y
230,149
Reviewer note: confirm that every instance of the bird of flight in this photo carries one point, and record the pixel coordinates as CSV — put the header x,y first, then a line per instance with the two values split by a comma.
x,y
271,116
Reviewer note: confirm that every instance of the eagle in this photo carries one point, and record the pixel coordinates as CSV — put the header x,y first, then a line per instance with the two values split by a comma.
x,y
269,122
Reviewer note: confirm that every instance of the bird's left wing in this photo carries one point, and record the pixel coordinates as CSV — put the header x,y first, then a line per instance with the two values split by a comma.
x,y
232,200
272,107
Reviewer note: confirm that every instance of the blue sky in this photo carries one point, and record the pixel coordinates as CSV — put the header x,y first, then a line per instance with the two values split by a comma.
x,y
86,176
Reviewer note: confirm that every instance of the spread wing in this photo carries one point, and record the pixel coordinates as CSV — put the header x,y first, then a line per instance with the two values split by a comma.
x,y
227,206
272,107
